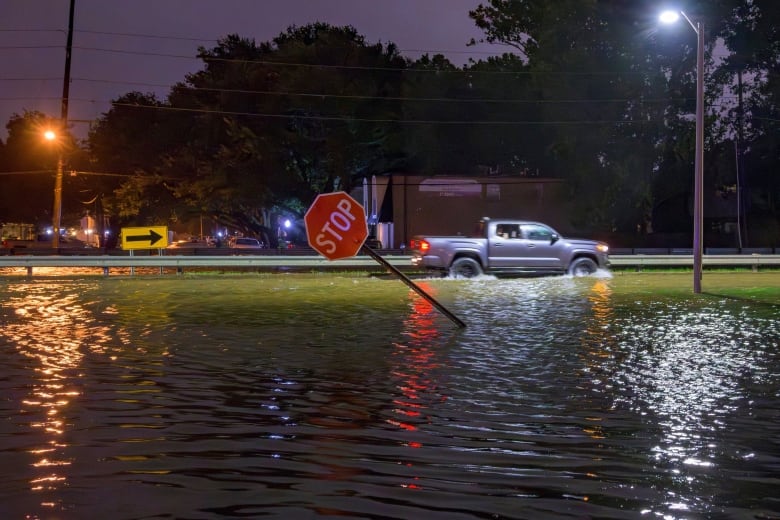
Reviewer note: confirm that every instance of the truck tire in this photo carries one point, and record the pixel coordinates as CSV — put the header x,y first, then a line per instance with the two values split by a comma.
x,y
465,268
583,267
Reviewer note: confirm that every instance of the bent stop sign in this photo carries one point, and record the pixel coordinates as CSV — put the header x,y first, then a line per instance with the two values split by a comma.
x,y
336,225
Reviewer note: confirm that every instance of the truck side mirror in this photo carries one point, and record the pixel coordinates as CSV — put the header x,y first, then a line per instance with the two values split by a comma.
x,y
554,238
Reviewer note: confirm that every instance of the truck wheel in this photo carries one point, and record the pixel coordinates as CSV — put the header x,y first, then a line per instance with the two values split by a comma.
x,y
583,267
465,268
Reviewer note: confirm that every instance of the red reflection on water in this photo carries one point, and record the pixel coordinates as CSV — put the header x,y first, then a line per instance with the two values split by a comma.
x,y
414,365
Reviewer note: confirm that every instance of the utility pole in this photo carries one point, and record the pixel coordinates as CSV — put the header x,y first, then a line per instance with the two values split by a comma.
x,y
57,213
741,204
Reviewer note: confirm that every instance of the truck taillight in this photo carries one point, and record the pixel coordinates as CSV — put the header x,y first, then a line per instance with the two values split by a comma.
x,y
421,245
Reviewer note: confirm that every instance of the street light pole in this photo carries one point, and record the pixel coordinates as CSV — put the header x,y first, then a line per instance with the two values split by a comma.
x,y
57,212
698,202
698,180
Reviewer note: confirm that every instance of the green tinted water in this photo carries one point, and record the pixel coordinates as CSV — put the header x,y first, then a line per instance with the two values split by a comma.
x,y
306,396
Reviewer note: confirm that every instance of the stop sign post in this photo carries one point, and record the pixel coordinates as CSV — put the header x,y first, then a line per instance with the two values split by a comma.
x,y
336,225
336,228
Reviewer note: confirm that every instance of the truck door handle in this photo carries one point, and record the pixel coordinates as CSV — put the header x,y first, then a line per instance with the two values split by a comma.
x,y
531,245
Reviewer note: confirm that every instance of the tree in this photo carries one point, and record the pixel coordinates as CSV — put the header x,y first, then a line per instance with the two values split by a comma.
x,y
28,163
133,141
262,127
591,77
751,72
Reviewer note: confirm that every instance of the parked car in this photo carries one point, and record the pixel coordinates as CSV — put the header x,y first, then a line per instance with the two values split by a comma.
x,y
246,243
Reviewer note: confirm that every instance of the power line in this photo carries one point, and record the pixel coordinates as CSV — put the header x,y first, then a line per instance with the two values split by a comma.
x,y
392,121
213,40
361,67
33,30
19,47
322,95
216,40
30,79
76,173
150,36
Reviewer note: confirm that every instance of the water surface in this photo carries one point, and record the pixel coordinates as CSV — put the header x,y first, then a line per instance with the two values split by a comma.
x,y
314,396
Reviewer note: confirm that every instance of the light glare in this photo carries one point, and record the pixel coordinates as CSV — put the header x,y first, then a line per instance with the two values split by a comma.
x,y
669,17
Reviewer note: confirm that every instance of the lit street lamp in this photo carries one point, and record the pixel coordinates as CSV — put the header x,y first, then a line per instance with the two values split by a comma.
x,y
50,135
698,207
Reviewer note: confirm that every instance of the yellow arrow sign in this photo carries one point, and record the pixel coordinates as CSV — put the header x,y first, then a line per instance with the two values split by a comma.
x,y
151,237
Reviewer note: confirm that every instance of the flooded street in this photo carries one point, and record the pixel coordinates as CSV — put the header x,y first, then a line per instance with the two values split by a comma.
x,y
314,396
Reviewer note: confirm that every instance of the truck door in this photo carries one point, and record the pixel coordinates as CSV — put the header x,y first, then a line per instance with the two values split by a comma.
x,y
539,250
505,248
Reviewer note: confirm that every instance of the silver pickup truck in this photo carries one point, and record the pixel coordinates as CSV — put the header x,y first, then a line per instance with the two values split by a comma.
x,y
509,247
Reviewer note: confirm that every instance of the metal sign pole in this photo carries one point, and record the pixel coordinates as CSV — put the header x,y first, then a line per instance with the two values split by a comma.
x,y
405,279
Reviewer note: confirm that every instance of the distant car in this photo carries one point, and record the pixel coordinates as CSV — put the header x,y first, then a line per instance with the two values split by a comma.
x,y
246,243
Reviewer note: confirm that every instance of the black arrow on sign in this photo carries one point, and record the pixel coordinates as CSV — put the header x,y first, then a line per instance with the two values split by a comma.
x,y
152,237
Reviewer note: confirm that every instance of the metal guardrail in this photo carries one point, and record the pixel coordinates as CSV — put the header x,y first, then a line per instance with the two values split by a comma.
x,y
362,262
639,261
180,262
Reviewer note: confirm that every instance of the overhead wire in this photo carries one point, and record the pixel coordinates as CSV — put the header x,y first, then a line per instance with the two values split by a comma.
x,y
391,121
465,70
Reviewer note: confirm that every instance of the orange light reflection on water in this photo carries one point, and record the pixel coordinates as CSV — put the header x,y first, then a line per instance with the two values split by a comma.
x,y
598,344
51,328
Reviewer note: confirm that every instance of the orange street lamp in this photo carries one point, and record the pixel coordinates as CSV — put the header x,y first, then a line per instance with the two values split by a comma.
x,y
51,135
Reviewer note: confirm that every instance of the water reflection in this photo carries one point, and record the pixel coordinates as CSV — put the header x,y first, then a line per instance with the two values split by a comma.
x,y
686,370
51,328
414,367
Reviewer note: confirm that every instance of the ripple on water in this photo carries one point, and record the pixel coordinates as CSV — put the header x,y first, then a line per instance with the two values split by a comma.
x,y
319,396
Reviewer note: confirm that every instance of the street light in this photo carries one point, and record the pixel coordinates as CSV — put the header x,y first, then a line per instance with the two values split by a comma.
x,y
698,207
51,135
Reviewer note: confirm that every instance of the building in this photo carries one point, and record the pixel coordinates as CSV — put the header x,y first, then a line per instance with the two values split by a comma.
x,y
399,206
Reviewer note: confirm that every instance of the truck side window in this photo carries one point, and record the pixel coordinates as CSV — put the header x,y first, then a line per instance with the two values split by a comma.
x,y
536,233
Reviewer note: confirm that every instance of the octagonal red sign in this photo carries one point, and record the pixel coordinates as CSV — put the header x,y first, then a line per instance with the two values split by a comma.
x,y
336,225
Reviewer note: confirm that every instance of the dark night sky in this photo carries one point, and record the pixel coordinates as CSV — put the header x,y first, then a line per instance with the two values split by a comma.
x,y
108,52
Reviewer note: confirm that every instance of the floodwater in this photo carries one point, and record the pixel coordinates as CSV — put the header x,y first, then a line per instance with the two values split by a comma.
x,y
323,396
